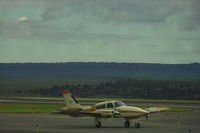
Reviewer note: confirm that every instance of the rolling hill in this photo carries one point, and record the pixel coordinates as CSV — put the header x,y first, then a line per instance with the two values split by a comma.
x,y
100,71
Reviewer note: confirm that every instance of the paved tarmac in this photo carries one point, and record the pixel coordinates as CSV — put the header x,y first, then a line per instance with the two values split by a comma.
x,y
187,122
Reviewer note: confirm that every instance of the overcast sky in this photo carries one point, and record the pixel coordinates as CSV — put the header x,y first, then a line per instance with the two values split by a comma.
x,y
147,31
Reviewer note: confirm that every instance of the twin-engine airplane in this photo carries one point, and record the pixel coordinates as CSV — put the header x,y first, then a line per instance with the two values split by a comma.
x,y
108,109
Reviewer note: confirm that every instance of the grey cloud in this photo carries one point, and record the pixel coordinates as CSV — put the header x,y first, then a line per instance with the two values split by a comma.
x,y
44,31
74,15
85,36
118,10
186,38
20,3
114,29
33,30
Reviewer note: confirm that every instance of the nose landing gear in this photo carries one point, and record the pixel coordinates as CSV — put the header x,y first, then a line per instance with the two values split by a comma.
x,y
127,124
98,122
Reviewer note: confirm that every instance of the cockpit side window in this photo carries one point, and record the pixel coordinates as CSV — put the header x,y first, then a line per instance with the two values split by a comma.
x,y
109,105
101,106
119,103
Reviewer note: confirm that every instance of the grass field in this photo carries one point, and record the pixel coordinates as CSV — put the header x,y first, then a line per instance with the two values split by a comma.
x,y
50,108
28,108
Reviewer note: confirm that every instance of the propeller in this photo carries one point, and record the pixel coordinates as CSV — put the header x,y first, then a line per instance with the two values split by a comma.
x,y
114,113
146,116
111,117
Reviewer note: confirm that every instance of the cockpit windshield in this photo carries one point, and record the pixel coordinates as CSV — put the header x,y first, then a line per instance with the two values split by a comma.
x,y
119,103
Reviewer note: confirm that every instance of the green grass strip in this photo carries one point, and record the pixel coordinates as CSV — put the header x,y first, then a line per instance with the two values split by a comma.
x,y
29,108
50,108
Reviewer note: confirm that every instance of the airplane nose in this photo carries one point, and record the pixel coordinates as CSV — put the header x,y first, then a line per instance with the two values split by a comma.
x,y
145,111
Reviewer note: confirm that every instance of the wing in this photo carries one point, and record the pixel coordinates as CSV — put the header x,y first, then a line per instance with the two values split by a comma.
x,y
157,109
104,113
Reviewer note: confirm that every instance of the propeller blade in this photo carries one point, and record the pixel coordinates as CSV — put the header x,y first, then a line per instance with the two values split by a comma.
x,y
146,117
111,118
114,113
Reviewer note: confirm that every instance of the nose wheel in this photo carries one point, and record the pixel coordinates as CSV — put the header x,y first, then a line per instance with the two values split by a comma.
x,y
98,122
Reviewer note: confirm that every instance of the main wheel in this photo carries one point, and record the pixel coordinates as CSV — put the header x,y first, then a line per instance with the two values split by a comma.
x,y
98,124
137,125
127,123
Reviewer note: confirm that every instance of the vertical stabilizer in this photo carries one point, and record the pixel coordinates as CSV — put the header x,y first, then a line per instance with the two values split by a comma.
x,y
70,100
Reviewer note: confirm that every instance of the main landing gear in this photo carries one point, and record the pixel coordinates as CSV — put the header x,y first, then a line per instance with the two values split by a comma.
x,y
127,124
137,125
98,122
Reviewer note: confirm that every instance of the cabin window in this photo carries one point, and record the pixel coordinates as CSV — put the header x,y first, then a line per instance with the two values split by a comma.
x,y
101,106
109,105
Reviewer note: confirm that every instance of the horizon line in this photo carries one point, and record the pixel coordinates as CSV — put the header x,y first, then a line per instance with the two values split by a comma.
x,y
96,62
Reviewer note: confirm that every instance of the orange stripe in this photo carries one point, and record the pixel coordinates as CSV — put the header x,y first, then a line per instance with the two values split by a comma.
x,y
73,108
103,111
66,92
93,108
131,111
99,111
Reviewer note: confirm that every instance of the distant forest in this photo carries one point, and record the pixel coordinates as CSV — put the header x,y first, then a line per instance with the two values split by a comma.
x,y
122,80
144,89
100,71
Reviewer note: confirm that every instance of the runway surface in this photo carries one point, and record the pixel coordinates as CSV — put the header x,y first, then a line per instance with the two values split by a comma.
x,y
187,122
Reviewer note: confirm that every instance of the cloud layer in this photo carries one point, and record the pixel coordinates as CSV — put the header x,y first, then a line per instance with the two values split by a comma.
x,y
160,31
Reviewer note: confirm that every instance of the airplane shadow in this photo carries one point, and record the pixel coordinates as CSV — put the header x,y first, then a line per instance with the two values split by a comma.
x,y
93,127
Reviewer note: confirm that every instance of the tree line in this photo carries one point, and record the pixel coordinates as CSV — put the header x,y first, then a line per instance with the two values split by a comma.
x,y
144,89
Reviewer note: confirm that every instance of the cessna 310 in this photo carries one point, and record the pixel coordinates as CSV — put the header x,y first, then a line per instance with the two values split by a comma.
x,y
108,109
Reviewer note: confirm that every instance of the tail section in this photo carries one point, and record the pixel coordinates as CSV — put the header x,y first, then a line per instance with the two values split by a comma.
x,y
70,100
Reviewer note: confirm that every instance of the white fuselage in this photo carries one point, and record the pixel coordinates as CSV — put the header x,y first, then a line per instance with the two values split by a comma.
x,y
112,109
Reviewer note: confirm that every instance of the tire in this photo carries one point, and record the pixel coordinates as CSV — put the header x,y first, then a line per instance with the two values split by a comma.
x,y
98,124
127,124
137,125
